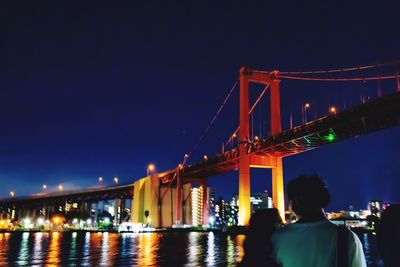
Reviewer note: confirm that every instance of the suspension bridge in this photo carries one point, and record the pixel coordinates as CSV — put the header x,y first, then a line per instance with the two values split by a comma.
x,y
257,152
244,150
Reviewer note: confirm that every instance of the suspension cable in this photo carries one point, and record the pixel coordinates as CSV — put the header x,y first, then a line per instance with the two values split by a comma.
x,y
394,62
339,79
210,124
398,81
250,111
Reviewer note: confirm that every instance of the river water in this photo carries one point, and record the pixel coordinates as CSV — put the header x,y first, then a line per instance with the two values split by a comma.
x,y
146,249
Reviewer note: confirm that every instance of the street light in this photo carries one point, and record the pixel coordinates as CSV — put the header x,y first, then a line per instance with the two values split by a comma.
x,y
12,194
304,111
60,187
116,180
44,187
332,110
100,179
150,169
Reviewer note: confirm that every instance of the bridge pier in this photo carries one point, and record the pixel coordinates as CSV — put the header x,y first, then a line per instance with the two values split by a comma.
x,y
161,201
117,211
246,160
179,196
205,201
278,196
277,172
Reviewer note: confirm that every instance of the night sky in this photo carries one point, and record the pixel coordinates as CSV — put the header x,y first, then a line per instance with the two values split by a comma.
x,y
89,90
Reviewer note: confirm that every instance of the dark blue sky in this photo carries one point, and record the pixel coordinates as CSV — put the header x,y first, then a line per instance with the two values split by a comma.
x,y
102,90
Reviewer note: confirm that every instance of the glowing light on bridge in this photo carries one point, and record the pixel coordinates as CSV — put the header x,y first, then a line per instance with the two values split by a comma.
x,y
330,137
150,169
306,106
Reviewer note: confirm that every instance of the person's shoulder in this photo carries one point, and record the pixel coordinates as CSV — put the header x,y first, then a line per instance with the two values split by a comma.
x,y
287,229
353,237
280,232
325,226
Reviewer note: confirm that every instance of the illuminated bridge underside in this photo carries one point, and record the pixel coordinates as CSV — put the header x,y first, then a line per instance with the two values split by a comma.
x,y
366,118
90,195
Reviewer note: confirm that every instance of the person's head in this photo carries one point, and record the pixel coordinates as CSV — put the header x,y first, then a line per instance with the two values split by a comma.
x,y
307,194
263,223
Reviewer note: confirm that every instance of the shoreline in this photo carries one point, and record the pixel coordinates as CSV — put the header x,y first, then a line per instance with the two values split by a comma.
x,y
229,231
163,230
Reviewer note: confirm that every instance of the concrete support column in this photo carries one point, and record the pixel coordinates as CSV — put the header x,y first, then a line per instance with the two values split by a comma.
x,y
277,172
278,196
96,211
205,201
244,159
19,214
159,206
117,215
121,210
178,196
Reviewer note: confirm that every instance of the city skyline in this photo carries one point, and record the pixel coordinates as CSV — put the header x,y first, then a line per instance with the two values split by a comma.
x,y
90,92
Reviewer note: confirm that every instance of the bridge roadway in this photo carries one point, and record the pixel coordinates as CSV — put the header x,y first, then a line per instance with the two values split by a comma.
x,y
372,116
366,118
86,195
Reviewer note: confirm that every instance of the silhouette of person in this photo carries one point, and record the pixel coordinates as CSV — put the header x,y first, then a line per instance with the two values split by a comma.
x,y
388,236
314,241
257,246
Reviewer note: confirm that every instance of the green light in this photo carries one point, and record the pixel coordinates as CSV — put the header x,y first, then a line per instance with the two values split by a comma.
x,y
330,137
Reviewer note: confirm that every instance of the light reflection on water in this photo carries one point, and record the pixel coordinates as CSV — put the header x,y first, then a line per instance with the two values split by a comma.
x,y
128,249
193,248
24,250
210,260
53,255
370,250
86,250
37,249
4,246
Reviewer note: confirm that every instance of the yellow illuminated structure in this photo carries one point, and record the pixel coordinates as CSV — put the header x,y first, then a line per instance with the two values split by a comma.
x,y
197,206
160,201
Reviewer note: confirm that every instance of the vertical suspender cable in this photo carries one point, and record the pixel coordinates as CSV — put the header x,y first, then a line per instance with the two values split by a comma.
x,y
259,121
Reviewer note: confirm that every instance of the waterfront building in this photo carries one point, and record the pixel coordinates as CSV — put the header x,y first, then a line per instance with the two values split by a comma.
x,y
376,207
232,211
200,205
212,203
260,201
220,212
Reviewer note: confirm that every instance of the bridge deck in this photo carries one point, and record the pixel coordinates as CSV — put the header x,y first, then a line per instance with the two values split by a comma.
x,y
366,118
87,195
